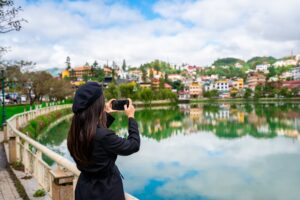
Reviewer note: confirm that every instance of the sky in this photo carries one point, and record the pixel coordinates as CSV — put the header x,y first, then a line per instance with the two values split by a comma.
x,y
195,32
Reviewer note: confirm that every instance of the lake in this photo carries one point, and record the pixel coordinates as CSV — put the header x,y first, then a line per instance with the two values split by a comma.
x,y
208,151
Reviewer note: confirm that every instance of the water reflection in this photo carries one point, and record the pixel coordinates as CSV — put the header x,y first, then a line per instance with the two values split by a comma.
x,y
215,151
223,120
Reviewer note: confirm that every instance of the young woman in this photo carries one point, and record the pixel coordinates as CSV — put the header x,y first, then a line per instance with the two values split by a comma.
x,y
94,147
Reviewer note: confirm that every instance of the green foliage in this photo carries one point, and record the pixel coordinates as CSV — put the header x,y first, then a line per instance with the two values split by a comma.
x,y
227,61
39,193
229,72
248,93
146,94
284,92
274,72
259,91
127,90
211,94
99,74
37,125
178,85
131,90
160,66
18,166
260,60
112,91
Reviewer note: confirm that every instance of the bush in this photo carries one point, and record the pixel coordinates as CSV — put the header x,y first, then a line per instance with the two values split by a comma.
x,y
36,126
39,193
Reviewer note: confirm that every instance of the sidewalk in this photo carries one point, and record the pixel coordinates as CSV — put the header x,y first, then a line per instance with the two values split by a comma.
x,y
8,190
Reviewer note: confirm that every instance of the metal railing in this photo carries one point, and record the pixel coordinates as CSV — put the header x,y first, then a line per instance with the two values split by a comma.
x,y
29,152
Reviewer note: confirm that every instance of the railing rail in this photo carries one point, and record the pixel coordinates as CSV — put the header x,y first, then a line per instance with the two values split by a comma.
x,y
60,183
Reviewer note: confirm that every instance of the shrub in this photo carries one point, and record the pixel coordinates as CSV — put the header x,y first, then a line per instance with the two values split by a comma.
x,y
39,193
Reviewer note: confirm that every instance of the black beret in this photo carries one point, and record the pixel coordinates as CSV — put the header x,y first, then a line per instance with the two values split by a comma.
x,y
86,95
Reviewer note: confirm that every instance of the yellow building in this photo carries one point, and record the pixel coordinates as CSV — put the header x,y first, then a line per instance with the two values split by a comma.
x,y
238,83
82,71
65,73
195,89
155,73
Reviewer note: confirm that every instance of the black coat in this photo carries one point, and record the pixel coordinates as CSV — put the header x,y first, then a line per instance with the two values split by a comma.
x,y
102,179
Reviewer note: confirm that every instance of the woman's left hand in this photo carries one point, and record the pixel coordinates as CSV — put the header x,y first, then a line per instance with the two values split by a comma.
x,y
108,106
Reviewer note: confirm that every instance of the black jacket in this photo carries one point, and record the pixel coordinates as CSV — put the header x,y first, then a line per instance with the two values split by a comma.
x,y
102,179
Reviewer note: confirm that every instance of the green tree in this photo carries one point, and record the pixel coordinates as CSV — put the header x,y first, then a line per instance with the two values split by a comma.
x,y
161,83
126,90
146,95
211,94
259,91
124,65
248,93
144,75
284,92
112,91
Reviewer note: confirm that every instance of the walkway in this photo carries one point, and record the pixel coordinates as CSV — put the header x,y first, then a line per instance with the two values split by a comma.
x,y
7,188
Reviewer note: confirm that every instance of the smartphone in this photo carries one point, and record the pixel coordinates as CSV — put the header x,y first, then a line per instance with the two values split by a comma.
x,y
119,104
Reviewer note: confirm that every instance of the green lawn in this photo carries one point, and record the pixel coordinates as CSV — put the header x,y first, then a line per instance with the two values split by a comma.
x,y
15,109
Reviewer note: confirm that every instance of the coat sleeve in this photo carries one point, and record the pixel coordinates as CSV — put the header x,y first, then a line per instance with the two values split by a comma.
x,y
121,146
109,120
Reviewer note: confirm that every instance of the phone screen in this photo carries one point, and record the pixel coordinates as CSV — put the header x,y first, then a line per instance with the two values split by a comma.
x,y
119,104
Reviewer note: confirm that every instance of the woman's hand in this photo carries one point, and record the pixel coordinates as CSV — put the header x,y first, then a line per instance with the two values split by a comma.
x,y
130,110
108,106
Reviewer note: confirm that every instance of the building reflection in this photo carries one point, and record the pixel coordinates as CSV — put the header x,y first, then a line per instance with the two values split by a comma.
x,y
223,120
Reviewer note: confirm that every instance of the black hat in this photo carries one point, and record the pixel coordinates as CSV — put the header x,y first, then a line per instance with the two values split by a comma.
x,y
86,95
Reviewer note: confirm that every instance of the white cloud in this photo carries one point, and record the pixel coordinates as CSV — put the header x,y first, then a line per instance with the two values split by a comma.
x,y
195,32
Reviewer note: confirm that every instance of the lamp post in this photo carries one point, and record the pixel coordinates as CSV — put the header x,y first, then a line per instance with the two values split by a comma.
x,y
51,90
2,77
29,86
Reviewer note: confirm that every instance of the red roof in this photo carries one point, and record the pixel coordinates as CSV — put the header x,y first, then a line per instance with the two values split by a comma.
x,y
168,86
183,92
291,84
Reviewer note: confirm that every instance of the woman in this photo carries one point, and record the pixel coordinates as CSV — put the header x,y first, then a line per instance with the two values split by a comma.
x,y
94,147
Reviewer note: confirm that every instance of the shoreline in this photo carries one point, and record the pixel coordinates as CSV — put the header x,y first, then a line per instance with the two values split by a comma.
x,y
207,100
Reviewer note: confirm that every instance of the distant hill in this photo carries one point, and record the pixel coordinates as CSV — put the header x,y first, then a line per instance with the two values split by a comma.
x,y
54,71
228,61
160,66
261,60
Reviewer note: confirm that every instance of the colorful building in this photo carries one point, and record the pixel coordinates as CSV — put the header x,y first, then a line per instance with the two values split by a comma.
x,y
195,89
254,79
81,71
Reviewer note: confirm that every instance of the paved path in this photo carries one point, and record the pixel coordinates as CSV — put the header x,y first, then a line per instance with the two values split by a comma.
x,y
7,188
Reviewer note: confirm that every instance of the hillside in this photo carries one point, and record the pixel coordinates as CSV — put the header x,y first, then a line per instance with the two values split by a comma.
x,y
228,62
260,60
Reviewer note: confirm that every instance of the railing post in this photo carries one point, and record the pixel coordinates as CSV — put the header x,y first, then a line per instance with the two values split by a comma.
x,y
5,132
12,149
17,123
62,185
26,158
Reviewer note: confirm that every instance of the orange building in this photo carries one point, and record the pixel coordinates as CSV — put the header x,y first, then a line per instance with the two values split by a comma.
x,y
81,71
254,79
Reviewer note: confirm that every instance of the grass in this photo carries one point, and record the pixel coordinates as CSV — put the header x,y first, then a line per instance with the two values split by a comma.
x,y
18,185
39,193
18,166
11,110
37,125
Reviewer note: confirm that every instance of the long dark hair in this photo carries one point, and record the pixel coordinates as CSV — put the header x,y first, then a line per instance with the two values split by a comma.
x,y
83,129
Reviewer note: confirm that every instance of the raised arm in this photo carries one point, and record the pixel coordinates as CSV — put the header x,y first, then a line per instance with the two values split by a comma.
x,y
123,146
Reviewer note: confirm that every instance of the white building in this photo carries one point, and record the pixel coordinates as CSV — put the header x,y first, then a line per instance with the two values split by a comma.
x,y
282,63
175,77
296,73
221,86
262,68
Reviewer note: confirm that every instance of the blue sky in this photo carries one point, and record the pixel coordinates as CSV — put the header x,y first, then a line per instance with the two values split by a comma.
x,y
178,31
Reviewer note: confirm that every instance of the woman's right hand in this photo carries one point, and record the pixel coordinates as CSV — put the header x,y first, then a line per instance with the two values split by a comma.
x,y
130,110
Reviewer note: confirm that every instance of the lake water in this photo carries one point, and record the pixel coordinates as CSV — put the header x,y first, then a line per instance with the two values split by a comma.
x,y
209,151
